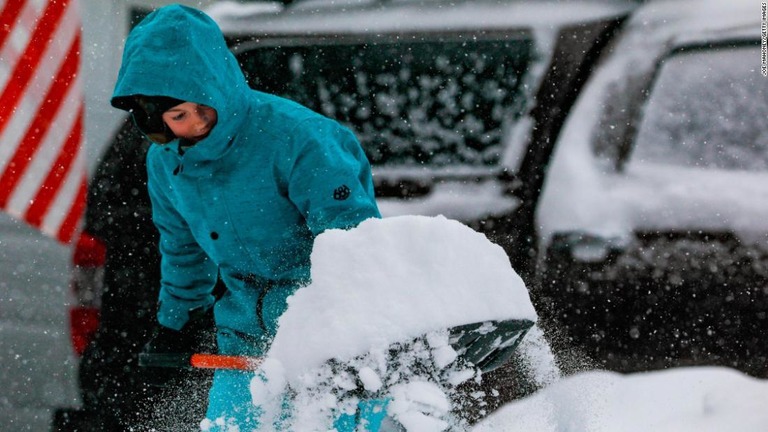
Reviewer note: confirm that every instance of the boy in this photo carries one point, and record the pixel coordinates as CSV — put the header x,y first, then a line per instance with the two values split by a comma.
x,y
241,183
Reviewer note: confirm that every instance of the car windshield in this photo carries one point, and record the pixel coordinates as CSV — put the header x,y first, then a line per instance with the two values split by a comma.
x,y
435,101
707,109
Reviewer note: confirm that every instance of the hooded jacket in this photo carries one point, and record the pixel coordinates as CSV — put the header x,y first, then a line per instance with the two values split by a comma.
x,y
247,201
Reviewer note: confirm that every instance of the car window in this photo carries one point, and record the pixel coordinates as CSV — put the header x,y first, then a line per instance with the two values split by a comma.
x,y
708,109
437,102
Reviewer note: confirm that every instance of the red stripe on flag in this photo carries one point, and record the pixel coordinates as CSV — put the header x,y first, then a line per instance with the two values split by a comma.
x,y
55,178
42,122
71,222
25,69
8,17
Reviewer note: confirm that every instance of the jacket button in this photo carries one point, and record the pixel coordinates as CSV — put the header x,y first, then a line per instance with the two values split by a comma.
x,y
214,235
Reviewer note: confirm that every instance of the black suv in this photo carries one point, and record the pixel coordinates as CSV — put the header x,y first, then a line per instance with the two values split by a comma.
x,y
455,103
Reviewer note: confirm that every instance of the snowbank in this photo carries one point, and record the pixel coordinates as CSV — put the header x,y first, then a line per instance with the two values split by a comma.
x,y
678,400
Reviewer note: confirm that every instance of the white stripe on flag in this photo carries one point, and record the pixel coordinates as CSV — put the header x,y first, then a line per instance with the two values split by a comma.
x,y
18,39
67,195
42,161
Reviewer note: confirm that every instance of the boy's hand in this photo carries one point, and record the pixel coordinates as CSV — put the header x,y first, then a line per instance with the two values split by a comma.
x,y
197,335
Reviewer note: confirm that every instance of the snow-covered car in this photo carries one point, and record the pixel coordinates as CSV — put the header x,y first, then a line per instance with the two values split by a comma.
x,y
654,215
446,97
37,372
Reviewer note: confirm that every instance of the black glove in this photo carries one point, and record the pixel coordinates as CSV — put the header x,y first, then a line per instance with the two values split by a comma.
x,y
168,351
197,336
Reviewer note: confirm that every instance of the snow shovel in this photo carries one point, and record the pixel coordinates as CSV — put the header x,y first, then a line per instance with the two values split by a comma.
x,y
199,361
487,345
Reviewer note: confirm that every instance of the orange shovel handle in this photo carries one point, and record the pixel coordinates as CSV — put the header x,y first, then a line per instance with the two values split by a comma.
x,y
217,361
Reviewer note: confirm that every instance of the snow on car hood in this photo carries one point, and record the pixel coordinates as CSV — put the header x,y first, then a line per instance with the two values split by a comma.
x,y
650,197
464,201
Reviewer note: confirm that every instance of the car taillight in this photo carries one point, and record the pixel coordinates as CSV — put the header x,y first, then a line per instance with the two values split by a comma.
x,y
89,251
83,322
87,284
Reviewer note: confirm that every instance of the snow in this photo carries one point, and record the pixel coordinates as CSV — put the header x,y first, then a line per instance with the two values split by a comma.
x,y
388,281
455,200
365,16
231,9
703,399
356,302
395,278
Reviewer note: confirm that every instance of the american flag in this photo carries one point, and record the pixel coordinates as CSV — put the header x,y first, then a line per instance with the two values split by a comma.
x,y
42,159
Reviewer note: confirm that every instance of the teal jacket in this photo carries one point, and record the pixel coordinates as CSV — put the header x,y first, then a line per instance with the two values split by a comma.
x,y
247,201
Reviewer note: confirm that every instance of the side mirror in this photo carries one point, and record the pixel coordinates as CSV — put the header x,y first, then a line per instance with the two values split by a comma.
x,y
584,248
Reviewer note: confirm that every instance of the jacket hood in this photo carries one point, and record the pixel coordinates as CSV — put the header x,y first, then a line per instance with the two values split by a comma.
x,y
179,52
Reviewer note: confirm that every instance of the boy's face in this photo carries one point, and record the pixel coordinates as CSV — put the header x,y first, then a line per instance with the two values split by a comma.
x,y
190,120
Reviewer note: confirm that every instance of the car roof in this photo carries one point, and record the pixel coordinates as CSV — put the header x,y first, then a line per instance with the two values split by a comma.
x,y
372,17
661,27
673,23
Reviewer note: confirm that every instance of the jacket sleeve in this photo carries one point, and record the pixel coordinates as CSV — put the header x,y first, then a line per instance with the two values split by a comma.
x,y
188,275
330,178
